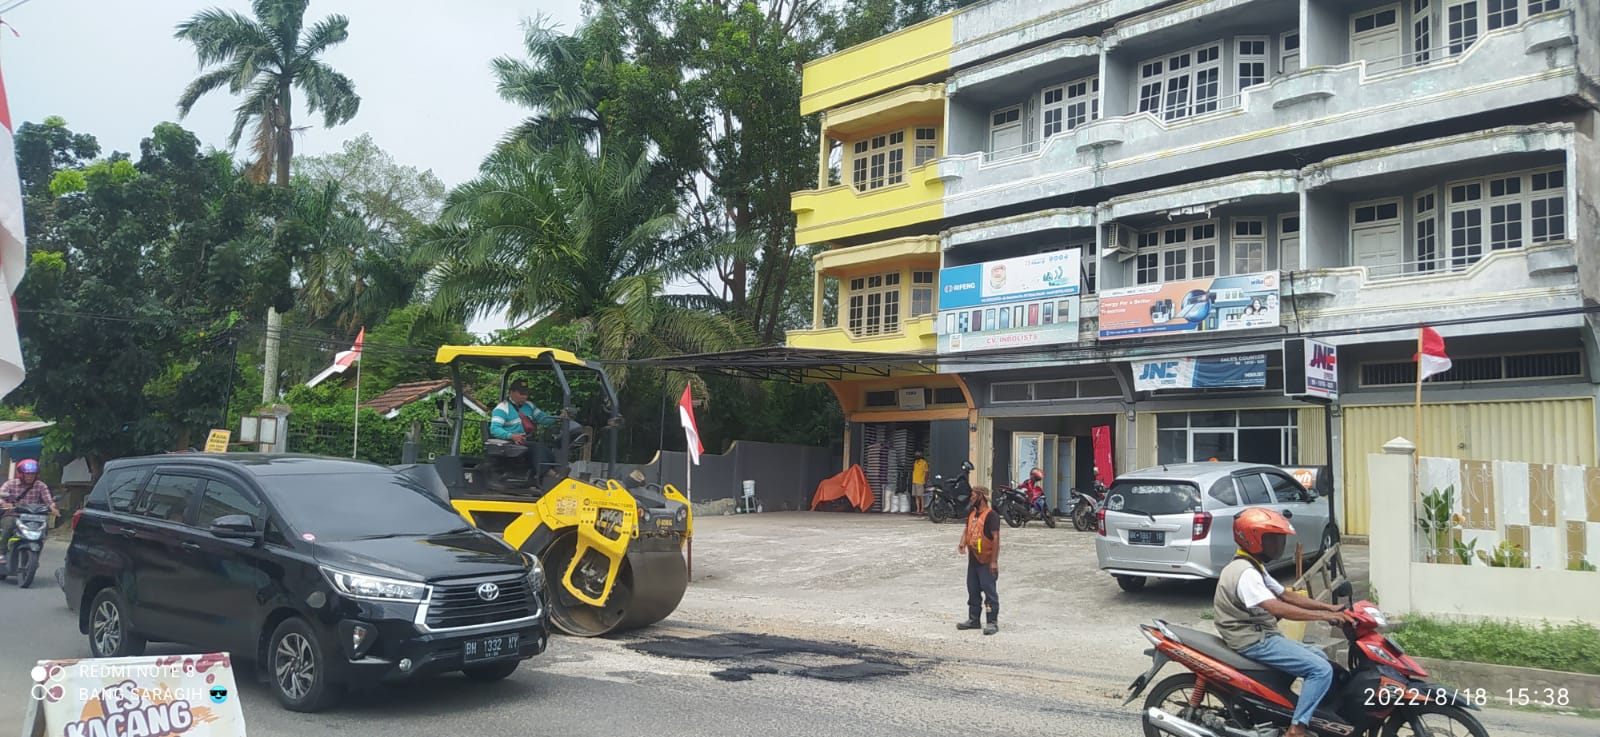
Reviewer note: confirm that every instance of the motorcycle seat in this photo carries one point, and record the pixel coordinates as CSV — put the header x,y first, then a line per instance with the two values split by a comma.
x,y
1214,648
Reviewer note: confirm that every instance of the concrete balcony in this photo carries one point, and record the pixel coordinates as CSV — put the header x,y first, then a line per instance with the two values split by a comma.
x,y
1535,62
1523,280
842,211
915,335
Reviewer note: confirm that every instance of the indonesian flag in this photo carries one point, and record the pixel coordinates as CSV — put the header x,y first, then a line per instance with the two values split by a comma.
x,y
13,253
1432,360
690,430
343,361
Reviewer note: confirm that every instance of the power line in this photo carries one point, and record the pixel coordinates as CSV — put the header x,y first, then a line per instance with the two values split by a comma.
x,y
14,6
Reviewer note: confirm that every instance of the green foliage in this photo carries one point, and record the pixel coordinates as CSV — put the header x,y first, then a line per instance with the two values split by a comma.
x,y
323,423
1505,555
1581,563
1574,648
1441,524
68,182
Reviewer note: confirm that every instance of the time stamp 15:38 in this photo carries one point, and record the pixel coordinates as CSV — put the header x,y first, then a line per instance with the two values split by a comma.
x,y
1543,697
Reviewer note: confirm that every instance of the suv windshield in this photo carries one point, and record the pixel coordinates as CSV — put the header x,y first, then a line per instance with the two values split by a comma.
x,y
1153,497
355,506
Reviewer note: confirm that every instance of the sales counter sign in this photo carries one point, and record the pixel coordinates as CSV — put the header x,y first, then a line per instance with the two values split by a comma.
x,y
1011,303
161,696
1219,304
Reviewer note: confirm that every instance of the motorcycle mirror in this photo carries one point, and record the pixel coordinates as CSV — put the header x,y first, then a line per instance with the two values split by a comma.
x,y
1343,590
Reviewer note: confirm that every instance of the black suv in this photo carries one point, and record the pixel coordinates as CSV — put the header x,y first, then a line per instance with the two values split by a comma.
x,y
324,572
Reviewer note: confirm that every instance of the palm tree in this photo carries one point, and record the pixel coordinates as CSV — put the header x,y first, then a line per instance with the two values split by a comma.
x,y
571,235
557,83
265,59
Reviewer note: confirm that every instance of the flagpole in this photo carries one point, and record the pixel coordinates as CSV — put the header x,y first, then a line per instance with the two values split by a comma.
x,y
688,493
355,438
1416,439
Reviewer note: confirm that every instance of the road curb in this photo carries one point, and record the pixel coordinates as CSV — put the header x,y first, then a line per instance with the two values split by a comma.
x,y
1508,685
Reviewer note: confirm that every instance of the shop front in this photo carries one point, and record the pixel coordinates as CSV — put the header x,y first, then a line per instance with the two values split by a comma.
x,y
891,420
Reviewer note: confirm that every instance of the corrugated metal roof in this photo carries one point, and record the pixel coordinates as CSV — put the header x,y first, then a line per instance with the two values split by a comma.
x,y
13,427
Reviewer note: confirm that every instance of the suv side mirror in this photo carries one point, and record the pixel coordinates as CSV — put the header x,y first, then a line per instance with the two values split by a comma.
x,y
235,527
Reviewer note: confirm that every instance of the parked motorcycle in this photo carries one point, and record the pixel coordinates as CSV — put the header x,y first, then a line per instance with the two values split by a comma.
x,y
951,497
25,544
1087,504
1224,694
1011,501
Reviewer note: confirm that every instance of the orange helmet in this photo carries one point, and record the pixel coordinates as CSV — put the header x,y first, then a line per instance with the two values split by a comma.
x,y
1251,527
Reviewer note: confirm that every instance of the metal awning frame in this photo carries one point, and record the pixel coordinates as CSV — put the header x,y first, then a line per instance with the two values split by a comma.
x,y
795,365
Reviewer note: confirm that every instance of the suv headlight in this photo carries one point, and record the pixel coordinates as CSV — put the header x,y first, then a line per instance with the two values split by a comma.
x,y
362,586
535,574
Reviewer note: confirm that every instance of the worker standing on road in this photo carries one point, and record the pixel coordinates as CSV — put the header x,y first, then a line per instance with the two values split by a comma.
x,y
919,479
981,542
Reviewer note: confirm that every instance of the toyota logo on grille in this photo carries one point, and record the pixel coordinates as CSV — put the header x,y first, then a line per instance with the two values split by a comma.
x,y
488,591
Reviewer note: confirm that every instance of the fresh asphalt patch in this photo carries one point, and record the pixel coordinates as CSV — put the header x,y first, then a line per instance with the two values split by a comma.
x,y
745,655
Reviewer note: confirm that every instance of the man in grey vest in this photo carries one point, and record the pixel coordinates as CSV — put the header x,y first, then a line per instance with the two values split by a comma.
x,y
1249,603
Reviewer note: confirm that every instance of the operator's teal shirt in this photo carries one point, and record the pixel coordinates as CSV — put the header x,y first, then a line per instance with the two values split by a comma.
x,y
507,423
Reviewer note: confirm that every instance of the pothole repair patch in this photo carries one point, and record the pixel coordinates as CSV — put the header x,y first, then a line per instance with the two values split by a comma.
x,y
745,655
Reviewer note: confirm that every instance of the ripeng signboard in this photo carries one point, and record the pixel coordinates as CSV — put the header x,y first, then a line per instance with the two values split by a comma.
x,y
1012,303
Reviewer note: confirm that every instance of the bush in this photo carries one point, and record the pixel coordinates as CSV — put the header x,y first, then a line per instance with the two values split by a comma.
x,y
1573,648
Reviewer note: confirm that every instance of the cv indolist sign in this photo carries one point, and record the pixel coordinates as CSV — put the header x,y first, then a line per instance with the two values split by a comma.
x,y
1011,303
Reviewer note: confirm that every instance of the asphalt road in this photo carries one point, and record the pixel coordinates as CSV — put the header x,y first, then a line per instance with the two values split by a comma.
x,y
585,687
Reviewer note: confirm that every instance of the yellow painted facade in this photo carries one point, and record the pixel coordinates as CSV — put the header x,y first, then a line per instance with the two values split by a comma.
x,y
885,63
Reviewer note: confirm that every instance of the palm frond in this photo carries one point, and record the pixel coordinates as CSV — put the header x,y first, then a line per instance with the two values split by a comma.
x,y
220,35
327,33
328,92
208,82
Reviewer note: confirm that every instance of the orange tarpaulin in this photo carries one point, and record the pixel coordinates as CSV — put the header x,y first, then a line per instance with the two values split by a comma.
x,y
851,485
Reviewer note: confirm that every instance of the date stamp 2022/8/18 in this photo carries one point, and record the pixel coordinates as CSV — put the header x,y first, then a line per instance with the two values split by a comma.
x,y
1552,698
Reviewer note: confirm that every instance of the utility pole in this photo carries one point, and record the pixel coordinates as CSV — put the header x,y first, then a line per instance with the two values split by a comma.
x,y
269,382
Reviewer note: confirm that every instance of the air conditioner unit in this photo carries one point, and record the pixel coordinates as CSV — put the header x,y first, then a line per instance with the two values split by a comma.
x,y
1122,240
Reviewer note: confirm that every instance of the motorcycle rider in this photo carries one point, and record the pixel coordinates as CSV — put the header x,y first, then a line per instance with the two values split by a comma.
x,y
1034,486
1249,603
23,490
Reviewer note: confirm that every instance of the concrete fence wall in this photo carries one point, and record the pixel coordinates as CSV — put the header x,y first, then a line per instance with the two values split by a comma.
x,y
785,476
1484,539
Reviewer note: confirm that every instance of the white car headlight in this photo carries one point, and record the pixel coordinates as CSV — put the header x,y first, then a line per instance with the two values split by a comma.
x,y
362,586
535,573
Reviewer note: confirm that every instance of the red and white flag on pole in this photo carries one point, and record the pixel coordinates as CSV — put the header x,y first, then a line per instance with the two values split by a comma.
x,y
690,429
343,361
1432,360
13,253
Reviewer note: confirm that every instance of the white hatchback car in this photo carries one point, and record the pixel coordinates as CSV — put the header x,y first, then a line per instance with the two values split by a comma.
x,y
1176,521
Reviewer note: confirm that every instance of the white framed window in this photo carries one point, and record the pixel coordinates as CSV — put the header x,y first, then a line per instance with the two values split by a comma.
x,y
1067,106
1536,7
880,161
922,287
1089,260
1289,242
1006,134
1250,57
927,146
1548,206
1375,38
1501,13
1505,211
1289,52
1425,227
1461,24
874,305
1181,252
1421,31
1376,239
1183,84
1249,246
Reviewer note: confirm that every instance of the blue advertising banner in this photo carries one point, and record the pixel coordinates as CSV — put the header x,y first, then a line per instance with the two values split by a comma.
x,y
1021,279
1012,303
1207,372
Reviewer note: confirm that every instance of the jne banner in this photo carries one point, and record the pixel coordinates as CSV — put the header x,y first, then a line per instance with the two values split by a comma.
x,y
1206,372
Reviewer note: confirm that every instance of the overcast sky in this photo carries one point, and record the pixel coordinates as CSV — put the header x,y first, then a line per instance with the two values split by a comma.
x,y
112,68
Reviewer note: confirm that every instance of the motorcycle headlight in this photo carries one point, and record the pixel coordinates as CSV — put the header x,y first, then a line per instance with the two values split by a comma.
x,y
1377,616
535,573
362,586
31,533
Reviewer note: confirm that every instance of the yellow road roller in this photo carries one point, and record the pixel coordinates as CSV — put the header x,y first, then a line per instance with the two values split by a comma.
x,y
612,552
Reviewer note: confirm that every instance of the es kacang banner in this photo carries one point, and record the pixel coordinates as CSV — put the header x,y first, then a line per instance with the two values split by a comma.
x,y
159,696
1207,372
1223,303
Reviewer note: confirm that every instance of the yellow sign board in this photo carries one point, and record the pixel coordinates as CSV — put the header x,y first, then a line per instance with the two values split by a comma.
x,y
218,441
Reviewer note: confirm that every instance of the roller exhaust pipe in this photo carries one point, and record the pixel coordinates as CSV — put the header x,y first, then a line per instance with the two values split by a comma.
x,y
1171,724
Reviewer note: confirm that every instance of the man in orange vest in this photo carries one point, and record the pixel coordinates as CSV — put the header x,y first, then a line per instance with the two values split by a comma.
x,y
981,542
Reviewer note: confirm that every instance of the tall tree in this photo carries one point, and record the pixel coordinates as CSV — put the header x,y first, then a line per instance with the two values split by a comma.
x,y
265,59
393,198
